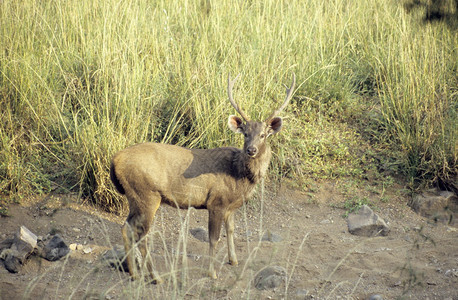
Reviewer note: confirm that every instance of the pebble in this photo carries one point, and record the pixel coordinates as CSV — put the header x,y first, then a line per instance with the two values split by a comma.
x,y
87,250
302,293
270,278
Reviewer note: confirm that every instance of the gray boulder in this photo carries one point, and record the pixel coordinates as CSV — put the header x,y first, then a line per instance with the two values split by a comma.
x,y
366,223
16,251
441,206
55,249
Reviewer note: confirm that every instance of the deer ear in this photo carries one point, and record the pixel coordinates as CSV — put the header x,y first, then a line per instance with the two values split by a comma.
x,y
274,125
235,124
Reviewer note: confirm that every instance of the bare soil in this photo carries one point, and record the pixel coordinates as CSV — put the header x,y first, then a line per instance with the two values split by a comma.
x,y
417,260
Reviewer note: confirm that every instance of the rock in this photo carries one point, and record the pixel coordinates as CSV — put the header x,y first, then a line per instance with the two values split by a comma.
x,y
27,236
6,244
87,250
440,206
375,297
302,293
271,237
366,223
116,258
21,247
200,234
270,277
12,261
55,249
452,272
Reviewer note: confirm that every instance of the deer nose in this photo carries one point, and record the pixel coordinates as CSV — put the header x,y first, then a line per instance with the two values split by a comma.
x,y
251,151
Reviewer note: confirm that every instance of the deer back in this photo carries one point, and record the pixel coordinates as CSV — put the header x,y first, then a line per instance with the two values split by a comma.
x,y
184,177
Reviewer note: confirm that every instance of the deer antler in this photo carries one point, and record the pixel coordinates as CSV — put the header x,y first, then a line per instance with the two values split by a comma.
x,y
289,93
230,85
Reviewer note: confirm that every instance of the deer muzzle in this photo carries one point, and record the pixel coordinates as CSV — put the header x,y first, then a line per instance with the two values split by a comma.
x,y
252,151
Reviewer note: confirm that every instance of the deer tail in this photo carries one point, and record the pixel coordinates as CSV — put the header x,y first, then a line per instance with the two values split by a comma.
x,y
115,180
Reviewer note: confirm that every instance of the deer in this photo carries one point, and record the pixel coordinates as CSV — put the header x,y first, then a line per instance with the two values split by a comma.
x,y
220,180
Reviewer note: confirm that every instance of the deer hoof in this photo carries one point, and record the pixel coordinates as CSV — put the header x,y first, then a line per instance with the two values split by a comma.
x,y
212,274
157,280
234,262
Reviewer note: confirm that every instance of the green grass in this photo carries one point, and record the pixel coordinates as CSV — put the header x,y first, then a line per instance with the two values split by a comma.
x,y
377,87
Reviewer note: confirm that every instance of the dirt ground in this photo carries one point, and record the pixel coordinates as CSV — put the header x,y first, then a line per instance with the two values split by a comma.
x,y
417,260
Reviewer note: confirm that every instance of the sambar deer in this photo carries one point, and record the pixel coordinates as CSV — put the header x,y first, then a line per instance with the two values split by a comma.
x,y
219,180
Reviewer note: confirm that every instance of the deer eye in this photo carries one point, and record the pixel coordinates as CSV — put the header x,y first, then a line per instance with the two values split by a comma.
x,y
262,135
245,134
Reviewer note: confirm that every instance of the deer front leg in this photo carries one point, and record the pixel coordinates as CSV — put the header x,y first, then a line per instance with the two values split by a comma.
x,y
215,220
230,239
148,261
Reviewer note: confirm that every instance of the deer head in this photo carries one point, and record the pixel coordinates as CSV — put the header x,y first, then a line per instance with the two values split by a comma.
x,y
256,132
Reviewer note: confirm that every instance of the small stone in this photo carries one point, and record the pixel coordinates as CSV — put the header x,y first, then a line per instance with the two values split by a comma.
x,y
376,297
79,247
6,244
302,293
115,258
366,223
27,236
271,237
55,249
87,250
12,262
72,247
270,278
200,234
452,272
75,229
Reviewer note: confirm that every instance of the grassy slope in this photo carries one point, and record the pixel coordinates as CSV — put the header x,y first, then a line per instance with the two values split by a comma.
x,y
377,89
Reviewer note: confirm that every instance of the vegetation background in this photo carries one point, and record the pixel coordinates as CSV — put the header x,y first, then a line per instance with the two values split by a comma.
x,y
376,94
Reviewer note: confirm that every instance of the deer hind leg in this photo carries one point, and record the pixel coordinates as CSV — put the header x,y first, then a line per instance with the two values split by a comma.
x,y
135,232
129,238
229,222
215,220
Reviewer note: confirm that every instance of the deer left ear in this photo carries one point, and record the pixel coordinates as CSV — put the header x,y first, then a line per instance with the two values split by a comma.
x,y
235,124
274,125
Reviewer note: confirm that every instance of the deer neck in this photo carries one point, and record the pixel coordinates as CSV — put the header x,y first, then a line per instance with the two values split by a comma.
x,y
252,169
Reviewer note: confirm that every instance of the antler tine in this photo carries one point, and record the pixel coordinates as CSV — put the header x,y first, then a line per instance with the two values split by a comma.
x,y
230,85
289,93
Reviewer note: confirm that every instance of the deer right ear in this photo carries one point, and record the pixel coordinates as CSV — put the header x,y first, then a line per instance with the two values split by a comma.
x,y
235,124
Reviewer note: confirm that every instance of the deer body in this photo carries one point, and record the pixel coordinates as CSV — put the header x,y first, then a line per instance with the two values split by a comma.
x,y
192,177
219,180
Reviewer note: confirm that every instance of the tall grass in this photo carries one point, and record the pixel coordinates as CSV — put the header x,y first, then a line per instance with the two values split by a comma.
x,y
78,82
